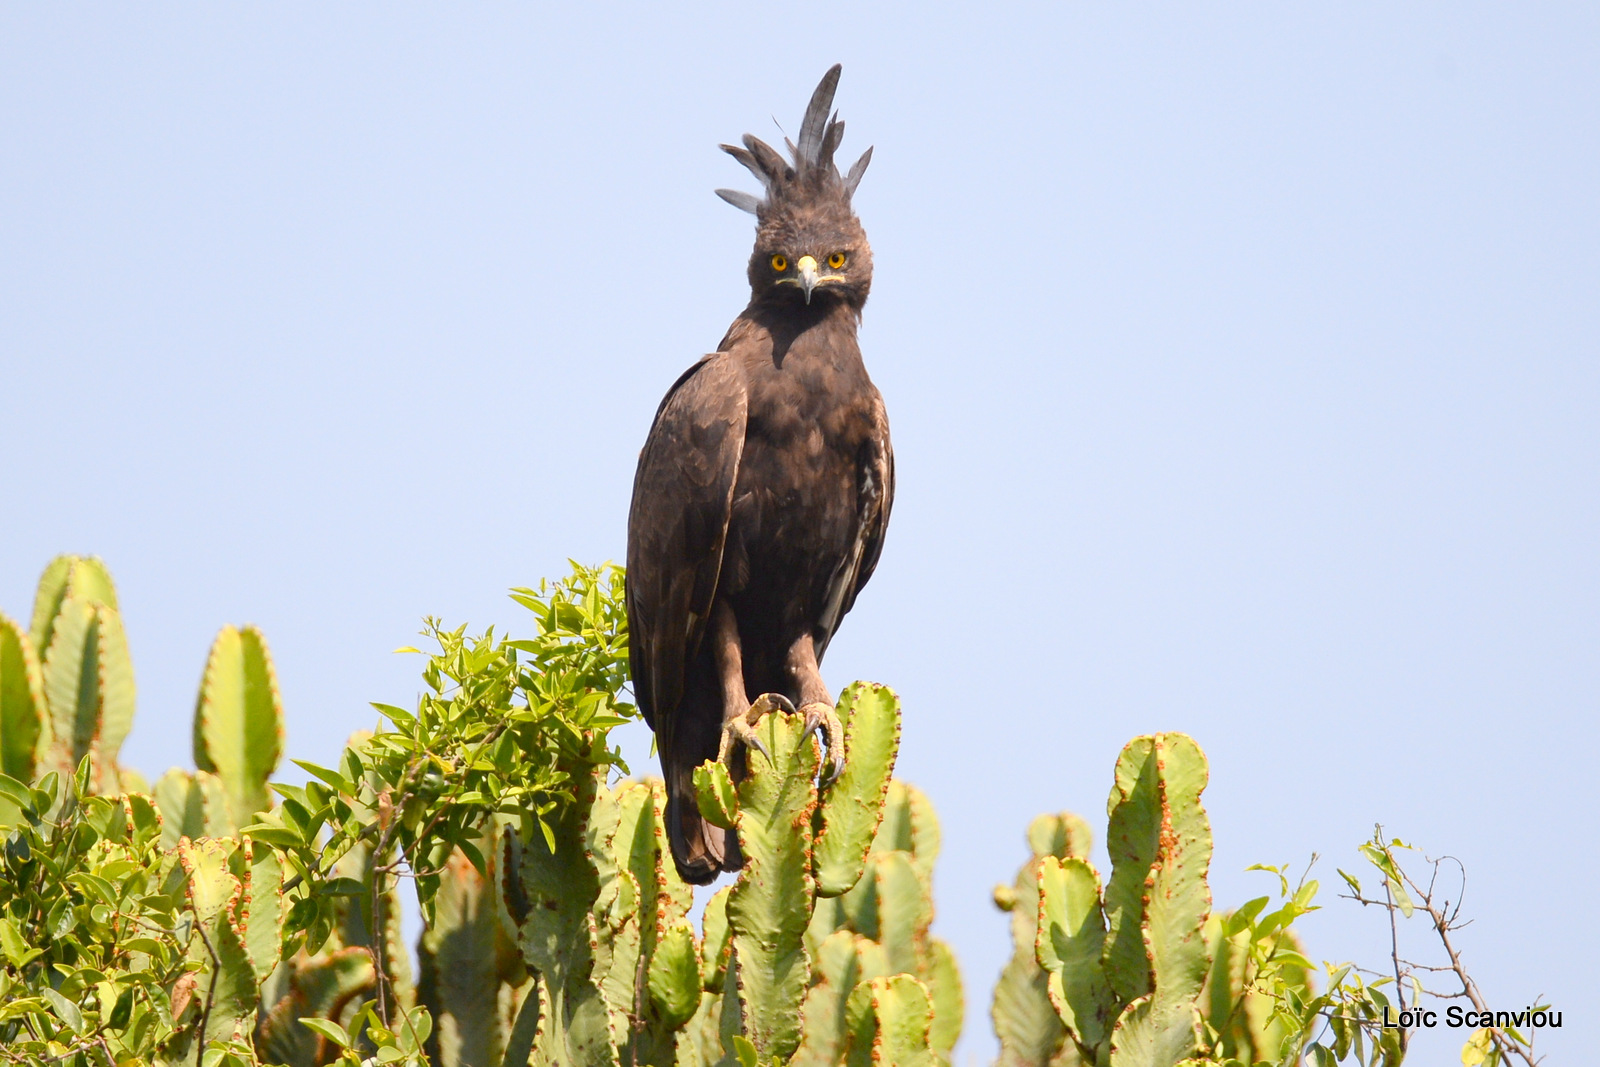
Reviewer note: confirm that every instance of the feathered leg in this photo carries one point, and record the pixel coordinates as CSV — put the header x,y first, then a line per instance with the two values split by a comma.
x,y
739,715
816,704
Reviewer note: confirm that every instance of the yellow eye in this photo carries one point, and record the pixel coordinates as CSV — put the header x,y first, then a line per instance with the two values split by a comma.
x,y
780,264
836,261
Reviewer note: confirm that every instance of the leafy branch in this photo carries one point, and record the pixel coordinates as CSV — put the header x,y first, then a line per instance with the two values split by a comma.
x,y
492,739
1403,897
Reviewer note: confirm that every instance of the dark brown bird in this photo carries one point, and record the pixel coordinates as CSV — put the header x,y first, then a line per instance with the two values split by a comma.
x,y
763,490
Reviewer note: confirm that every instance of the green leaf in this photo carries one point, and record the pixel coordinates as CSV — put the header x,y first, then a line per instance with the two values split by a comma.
x,y
17,793
330,1030
332,778
745,1051
65,1010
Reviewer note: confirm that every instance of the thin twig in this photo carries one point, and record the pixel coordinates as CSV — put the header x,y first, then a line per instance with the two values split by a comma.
x,y
1468,987
211,992
1394,954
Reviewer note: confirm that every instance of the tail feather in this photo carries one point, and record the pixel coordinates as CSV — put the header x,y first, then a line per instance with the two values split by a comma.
x,y
700,850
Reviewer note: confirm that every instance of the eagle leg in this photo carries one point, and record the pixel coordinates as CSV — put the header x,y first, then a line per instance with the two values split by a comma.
x,y
815,702
739,716
741,729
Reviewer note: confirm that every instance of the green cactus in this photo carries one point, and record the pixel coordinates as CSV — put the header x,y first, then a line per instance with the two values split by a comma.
x,y
192,805
23,712
331,985
235,936
888,1019
1155,812
86,579
650,973
715,796
716,946
890,910
1025,1021
771,903
1124,970
673,977
238,720
871,842
558,887
88,685
852,806
1070,940
85,674
465,961
1246,1021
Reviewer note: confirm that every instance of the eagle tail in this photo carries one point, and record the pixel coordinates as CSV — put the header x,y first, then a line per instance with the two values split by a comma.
x,y
693,735
700,850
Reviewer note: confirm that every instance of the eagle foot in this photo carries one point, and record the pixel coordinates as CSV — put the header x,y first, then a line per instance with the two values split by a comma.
x,y
821,718
741,729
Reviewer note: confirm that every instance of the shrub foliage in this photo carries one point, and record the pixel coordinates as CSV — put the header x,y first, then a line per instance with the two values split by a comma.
x,y
219,918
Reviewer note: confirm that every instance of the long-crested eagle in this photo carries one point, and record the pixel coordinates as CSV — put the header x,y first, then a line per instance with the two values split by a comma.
x,y
763,490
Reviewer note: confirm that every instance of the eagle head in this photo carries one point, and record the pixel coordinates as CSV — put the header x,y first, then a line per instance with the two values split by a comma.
x,y
810,247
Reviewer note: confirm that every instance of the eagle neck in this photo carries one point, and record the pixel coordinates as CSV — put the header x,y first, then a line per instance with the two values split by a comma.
x,y
826,330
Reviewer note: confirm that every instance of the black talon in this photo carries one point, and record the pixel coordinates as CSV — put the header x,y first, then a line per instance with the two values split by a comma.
x,y
770,702
835,769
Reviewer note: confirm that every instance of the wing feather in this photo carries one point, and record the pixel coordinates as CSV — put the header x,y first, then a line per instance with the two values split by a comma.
x,y
875,500
677,527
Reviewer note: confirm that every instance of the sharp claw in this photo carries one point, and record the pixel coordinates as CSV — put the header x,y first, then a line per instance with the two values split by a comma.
x,y
820,719
766,704
740,730
835,769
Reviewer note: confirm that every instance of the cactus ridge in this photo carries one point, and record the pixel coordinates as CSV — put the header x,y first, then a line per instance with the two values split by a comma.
x,y
889,1020
192,805
1070,940
1123,969
771,903
852,806
87,579
238,720
24,716
88,686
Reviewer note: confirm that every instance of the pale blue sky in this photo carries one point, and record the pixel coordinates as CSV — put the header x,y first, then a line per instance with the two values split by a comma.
x,y
1242,366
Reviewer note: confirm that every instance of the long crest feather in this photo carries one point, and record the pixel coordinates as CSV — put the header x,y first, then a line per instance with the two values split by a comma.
x,y
821,133
742,200
830,144
749,161
777,169
815,124
853,179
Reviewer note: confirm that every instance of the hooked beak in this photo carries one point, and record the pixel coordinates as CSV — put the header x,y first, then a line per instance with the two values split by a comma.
x,y
807,268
